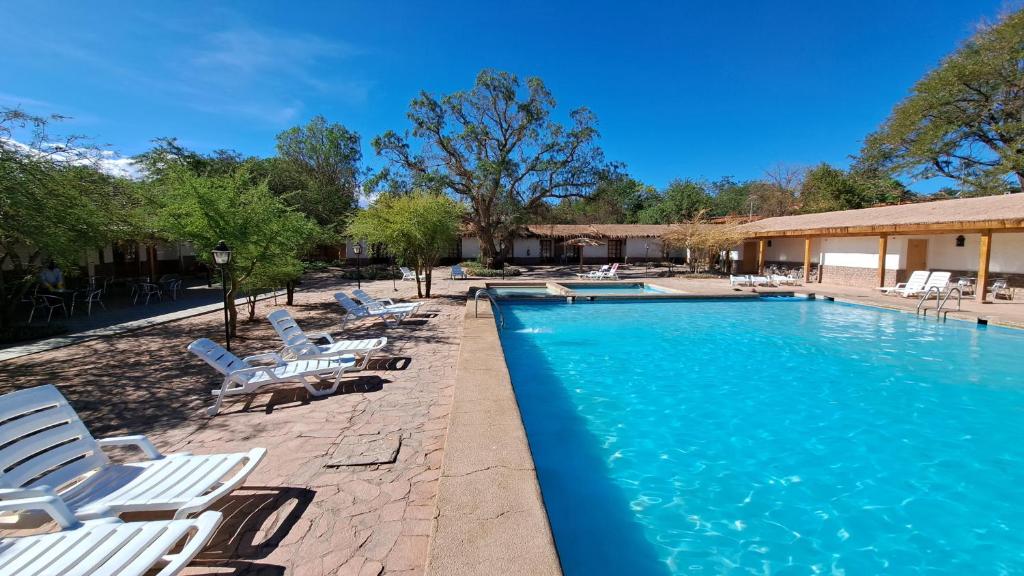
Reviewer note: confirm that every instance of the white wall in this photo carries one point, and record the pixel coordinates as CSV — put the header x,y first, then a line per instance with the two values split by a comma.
x,y
470,248
856,252
600,251
521,248
635,248
1007,253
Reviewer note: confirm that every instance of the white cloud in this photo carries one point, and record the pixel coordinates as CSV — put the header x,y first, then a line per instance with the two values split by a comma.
x,y
106,161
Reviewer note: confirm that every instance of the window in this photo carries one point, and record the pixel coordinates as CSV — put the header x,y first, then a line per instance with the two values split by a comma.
x,y
614,250
455,250
545,249
960,241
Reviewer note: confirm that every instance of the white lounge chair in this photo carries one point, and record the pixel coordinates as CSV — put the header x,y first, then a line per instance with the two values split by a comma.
x,y
757,280
611,273
48,451
458,273
299,345
243,377
593,274
782,280
937,280
355,311
407,274
913,284
108,546
386,303
743,280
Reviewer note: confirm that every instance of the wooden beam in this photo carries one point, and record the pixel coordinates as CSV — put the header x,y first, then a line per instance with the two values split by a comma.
x,y
883,242
895,229
984,255
807,260
762,249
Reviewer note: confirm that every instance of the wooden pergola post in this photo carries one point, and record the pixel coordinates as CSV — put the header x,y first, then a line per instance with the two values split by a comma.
x,y
883,244
762,249
984,255
807,260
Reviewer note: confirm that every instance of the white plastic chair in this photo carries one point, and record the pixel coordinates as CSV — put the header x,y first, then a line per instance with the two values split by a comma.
x,y
593,274
913,284
355,311
243,377
48,451
407,274
939,280
299,345
386,303
743,280
108,546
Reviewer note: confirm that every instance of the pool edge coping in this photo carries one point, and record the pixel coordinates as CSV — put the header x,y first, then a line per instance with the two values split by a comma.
x,y
490,515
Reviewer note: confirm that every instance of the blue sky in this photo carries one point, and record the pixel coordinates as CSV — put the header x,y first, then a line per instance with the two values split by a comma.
x,y
681,89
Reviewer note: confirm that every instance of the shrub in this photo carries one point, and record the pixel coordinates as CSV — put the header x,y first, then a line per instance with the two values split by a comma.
x,y
476,268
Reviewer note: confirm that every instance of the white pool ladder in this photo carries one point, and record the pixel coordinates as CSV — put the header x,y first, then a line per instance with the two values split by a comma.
x,y
495,309
940,300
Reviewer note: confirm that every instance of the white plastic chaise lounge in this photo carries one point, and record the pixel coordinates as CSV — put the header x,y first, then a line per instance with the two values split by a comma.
x,y
241,376
48,451
385,303
407,274
937,280
611,273
593,274
782,280
913,284
302,346
355,311
743,280
107,546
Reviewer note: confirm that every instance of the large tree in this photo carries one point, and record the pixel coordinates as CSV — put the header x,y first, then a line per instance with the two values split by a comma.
x,y
326,158
965,119
497,147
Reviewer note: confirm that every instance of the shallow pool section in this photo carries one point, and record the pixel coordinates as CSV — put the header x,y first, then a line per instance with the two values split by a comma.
x,y
775,436
513,291
618,288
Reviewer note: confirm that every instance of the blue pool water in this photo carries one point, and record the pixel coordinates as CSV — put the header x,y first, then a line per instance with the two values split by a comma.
x,y
780,436
617,289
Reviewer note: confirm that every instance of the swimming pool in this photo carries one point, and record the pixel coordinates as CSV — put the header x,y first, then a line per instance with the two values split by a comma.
x,y
775,436
594,288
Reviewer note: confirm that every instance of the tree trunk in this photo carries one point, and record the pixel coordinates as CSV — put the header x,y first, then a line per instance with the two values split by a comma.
x,y
290,289
232,310
428,275
419,288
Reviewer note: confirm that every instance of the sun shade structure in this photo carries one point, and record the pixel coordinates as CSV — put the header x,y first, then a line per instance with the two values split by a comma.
x,y
983,216
580,242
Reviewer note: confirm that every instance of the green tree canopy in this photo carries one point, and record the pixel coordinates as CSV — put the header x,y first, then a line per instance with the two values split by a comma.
x,y
963,120
498,149
418,228
266,235
325,159
53,205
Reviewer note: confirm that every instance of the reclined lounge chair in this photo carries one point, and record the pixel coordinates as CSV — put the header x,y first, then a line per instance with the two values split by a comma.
x,y
108,546
355,311
299,345
243,377
913,284
48,451
386,303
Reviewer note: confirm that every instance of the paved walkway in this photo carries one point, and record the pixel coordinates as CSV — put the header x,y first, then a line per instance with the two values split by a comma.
x,y
296,514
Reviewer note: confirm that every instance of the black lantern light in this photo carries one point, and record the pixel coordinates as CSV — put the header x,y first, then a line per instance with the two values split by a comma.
x,y
222,257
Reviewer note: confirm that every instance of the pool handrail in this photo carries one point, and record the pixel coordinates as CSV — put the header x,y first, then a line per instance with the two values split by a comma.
x,y
495,309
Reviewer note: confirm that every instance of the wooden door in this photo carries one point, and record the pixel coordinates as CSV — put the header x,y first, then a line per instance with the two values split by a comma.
x,y
546,252
917,255
615,250
749,258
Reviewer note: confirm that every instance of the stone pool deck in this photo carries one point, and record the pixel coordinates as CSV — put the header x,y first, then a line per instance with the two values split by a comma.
x,y
460,496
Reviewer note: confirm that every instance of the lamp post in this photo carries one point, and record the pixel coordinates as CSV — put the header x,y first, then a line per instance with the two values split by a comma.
x,y
358,249
222,257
